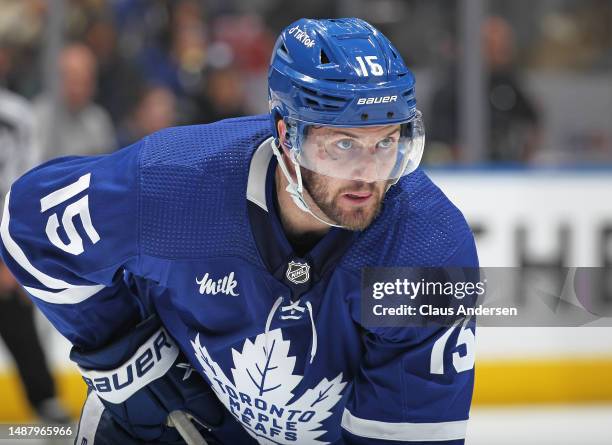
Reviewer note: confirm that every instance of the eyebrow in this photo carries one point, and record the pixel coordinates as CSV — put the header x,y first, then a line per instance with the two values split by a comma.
x,y
353,135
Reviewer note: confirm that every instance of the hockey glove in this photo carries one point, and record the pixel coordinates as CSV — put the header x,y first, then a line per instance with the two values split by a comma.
x,y
143,377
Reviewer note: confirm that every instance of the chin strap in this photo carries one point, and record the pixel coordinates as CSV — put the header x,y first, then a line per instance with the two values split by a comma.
x,y
296,189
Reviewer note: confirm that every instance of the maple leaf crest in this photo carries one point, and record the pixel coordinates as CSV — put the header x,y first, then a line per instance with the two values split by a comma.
x,y
263,384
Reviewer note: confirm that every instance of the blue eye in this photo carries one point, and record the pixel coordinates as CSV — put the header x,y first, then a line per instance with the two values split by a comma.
x,y
344,144
386,143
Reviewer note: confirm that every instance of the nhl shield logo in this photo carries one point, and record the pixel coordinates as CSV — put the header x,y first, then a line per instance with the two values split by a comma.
x,y
297,272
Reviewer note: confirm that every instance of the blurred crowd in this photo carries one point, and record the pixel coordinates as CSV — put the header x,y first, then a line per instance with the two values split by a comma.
x,y
130,67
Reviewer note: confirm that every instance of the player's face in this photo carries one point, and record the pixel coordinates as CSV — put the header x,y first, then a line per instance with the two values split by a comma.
x,y
351,203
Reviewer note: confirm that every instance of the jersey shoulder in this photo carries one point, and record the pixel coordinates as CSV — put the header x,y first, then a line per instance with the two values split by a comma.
x,y
419,226
203,147
193,187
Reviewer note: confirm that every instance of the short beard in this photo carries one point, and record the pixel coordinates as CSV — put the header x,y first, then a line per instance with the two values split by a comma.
x,y
357,219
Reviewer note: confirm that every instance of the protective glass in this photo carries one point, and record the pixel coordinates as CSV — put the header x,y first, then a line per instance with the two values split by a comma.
x,y
368,153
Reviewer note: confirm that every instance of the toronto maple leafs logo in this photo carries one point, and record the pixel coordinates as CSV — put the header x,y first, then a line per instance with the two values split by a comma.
x,y
263,384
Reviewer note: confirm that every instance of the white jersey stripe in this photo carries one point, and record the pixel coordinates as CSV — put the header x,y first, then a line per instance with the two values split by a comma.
x,y
67,296
404,431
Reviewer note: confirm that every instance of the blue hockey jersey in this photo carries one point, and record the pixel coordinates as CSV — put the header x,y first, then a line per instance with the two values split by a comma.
x,y
184,223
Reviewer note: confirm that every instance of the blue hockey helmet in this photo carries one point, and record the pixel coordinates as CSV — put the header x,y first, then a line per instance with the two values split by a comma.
x,y
348,104
343,73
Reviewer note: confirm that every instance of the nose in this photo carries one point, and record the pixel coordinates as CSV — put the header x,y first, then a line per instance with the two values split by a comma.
x,y
365,168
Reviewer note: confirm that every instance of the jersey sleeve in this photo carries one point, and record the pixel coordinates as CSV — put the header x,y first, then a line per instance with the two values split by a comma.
x,y
414,385
69,230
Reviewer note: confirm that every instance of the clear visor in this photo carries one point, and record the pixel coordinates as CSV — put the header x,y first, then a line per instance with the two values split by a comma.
x,y
368,153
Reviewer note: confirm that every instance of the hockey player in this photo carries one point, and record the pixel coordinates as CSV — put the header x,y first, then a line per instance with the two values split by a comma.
x,y
215,269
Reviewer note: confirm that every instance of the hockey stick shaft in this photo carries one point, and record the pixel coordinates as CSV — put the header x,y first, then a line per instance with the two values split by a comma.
x,y
186,429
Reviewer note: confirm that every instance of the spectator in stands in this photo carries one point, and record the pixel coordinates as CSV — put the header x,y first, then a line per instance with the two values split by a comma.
x,y
22,25
78,126
155,110
118,75
513,119
224,96
177,57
